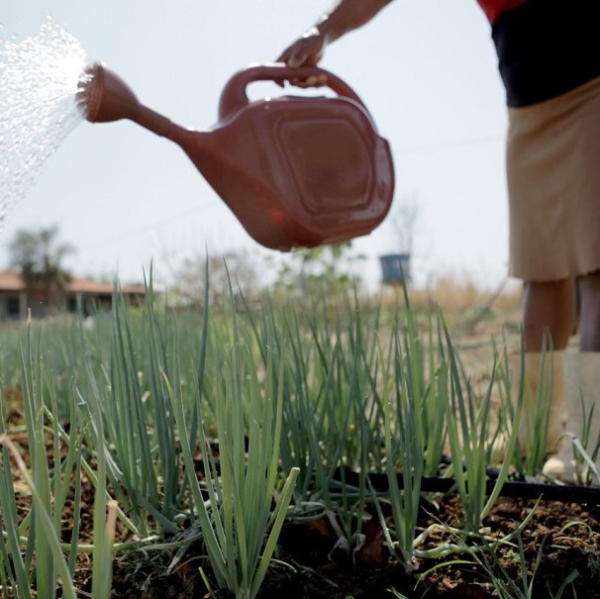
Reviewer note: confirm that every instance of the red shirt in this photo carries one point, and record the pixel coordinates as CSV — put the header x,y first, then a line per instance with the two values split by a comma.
x,y
493,8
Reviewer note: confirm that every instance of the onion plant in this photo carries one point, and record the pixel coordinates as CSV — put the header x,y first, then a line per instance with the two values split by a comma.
x,y
49,492
414,380
332,413
409,449
504,583
305,433
586,449
467,424
14,569
536,417
127,404
33,550
585,455
102,554
14,572
528,455
351,417
239,529
45,540
420,357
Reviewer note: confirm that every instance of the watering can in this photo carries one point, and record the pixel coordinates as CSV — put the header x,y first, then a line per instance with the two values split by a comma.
x,y
296,171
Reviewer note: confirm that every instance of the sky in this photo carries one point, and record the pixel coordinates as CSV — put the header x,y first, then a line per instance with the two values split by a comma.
x,y
426,69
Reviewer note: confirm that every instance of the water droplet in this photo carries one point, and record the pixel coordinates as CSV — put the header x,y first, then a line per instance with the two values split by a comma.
x,y
39,79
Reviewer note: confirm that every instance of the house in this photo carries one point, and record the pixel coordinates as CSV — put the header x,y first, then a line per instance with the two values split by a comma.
x,y
14,301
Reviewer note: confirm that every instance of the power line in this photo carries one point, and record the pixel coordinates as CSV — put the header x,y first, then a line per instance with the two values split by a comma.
x,y
135,232
449,145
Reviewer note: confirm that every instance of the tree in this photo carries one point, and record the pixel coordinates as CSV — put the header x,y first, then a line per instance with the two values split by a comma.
x,y
403,219
317,270
239,268
39,256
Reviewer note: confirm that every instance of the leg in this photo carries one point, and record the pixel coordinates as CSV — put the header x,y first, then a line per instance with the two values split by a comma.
x,y
583,386
550,309
549,315
589,286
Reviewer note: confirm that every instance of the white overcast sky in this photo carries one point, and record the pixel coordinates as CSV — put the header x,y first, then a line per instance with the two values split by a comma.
x,y
425,68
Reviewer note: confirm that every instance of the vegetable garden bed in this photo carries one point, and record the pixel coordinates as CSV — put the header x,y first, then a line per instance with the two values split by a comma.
x,y
257,454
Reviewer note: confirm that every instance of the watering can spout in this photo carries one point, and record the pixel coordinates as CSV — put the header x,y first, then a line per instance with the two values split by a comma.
x,y
105,98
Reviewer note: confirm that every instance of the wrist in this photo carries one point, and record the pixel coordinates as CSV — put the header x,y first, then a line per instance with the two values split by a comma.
x,y
327,30
347,16
316,31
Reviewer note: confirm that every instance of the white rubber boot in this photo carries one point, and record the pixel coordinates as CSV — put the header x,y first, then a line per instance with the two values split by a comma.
x,y
582,394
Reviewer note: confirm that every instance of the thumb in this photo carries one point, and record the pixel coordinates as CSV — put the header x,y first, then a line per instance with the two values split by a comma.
x,y
297,59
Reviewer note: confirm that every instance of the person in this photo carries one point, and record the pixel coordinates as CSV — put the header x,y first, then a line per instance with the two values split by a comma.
x,y
549,61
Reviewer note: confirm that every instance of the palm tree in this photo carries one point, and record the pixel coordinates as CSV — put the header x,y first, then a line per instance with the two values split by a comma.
x,y
39,256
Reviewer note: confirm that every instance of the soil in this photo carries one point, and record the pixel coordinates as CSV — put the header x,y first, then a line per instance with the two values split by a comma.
x,y
565,538
561,540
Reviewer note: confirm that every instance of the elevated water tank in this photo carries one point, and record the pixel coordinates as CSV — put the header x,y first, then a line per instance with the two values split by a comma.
x,y
395,268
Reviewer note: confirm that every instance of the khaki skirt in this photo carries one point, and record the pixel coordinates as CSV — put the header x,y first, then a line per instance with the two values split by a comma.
x,y
553,171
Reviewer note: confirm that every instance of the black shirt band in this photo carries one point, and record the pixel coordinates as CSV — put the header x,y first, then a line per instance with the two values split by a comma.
x,y
547,48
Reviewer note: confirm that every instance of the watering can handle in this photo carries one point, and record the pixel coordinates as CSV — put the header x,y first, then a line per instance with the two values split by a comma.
x,y
234,98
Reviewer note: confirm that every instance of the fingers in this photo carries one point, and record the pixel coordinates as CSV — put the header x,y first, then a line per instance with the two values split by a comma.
x,y
311,81
298,57
305,52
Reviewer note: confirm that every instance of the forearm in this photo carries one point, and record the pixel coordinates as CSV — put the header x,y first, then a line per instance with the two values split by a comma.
x,y
347,15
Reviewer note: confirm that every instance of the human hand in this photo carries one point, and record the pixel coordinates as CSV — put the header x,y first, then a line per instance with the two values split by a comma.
x,y
306,51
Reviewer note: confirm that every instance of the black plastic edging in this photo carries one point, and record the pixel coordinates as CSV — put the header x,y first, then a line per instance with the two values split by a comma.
x,y
522,490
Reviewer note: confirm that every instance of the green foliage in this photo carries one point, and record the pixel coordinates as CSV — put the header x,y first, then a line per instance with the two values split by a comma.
x,y
293,395
190,285
239,530
322,270
504,584
39,255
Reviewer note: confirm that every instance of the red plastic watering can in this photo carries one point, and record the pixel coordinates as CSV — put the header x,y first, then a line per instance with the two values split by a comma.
x,y
295,171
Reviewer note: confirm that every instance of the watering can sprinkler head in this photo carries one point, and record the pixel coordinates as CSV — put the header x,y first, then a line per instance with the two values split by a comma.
x,y
106,98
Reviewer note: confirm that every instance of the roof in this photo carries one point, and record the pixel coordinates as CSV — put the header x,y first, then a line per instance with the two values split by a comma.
x,y
78,285
11,280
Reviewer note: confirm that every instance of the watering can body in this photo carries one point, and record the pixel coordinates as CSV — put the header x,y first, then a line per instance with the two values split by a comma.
x,y
296,171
